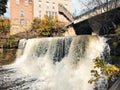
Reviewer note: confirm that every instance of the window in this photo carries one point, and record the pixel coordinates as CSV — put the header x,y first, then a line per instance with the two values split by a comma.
x,y
47,13
50,14
47,4
26,2
30,1
40,4
17,2
40,13
21,13
22,21
53,5
53,14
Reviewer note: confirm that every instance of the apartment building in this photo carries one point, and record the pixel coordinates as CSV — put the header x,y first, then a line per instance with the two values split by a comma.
x,y
22,12
50,8
21,15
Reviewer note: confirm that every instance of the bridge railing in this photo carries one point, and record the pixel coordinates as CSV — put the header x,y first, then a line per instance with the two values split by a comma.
x,y
112,4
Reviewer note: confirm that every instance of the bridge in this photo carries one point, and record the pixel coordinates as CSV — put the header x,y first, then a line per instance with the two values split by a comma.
x,y
100,20
112,4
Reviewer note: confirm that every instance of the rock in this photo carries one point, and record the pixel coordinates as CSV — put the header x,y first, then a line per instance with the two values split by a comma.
x,y
8,57
116,85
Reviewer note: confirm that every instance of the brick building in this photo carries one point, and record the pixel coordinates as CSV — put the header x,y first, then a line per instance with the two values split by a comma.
x,y
21,15
51,8
22,12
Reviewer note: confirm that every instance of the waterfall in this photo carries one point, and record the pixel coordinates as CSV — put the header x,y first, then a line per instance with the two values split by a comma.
x,y
62,63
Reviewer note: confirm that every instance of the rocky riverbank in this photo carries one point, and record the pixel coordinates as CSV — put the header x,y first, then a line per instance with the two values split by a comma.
x,y
8,48
8,56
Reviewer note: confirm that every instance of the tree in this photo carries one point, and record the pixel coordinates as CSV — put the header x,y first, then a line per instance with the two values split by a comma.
x,y
3,6
47,26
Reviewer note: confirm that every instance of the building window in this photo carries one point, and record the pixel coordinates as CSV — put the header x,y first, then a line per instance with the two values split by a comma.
x,y
21,13
50,14
47,13
26,2
40,13
30,1
53,5
55,14
40,3
47,4
17,2
22,21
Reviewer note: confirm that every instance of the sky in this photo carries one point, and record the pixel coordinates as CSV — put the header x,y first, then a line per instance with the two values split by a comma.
x,y
7,14
77,8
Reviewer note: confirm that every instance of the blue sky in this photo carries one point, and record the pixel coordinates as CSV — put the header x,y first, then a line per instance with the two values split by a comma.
x,y
77,7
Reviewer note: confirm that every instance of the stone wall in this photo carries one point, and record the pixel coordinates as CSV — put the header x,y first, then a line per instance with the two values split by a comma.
x,y
17,27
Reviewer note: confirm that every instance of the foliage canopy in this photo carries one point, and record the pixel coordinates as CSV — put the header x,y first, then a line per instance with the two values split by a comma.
x,y
47,26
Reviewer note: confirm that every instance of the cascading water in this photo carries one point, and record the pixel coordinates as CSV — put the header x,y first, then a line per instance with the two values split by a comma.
x,y
54,64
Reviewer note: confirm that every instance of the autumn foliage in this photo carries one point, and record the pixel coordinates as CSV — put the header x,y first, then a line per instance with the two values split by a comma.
x,y
47,26
108,70
4,25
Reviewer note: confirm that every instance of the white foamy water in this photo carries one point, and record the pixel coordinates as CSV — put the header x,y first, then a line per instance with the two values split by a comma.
x,y
56,63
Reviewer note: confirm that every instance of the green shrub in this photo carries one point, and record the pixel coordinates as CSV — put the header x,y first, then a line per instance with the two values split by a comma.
x,y
10,41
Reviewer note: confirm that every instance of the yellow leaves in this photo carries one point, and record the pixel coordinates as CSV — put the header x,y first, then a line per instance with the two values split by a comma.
x,y
1,24
4,24
108,69
111,70
46,26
